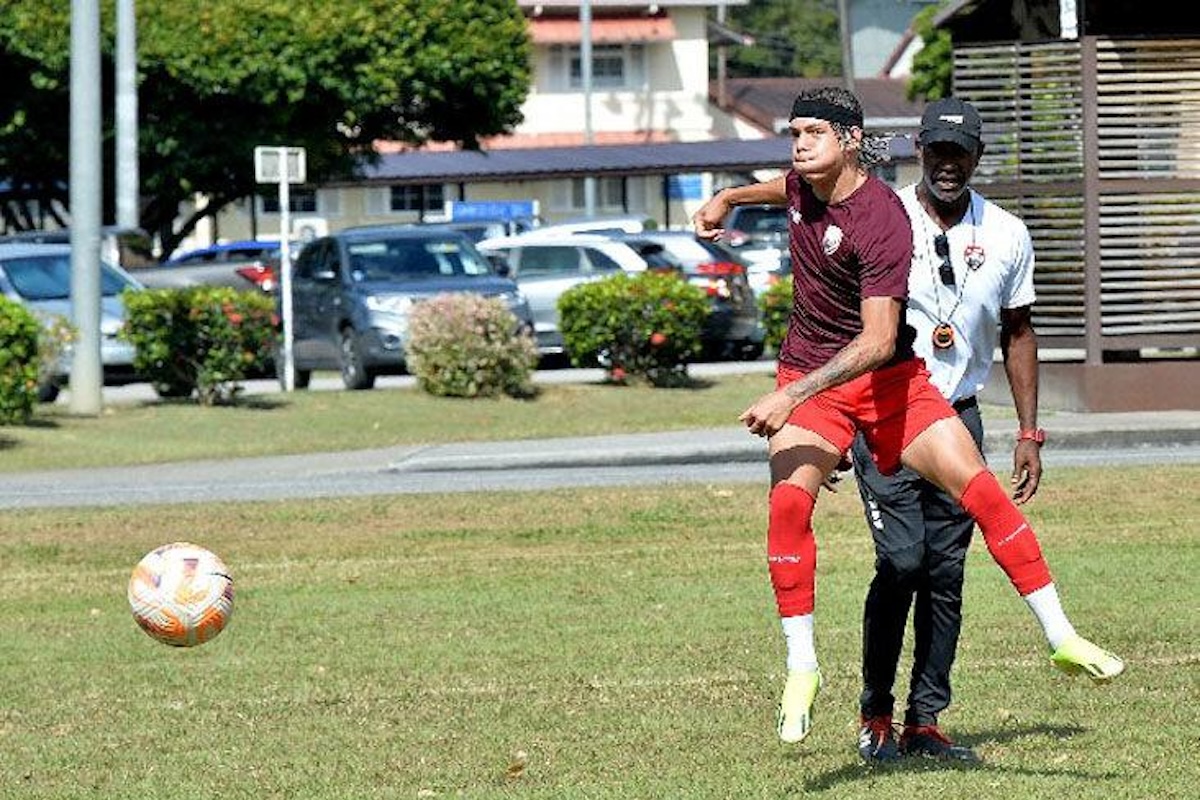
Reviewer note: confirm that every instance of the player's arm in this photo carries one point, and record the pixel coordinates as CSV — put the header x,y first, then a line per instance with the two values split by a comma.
x,y
1018,345
711,216
869,350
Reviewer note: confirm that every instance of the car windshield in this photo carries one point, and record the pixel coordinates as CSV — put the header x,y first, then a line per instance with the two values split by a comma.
x,y
49,277
414,259
762,220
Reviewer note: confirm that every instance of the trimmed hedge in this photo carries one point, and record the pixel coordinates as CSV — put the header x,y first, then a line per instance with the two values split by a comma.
x,y
639,327
19,333
201,341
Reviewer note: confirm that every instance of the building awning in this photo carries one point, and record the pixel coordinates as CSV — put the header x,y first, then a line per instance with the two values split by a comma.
x,y
605,30
547,163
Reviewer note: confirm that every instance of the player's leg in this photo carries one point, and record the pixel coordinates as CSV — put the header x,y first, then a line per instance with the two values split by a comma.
x,y
800,460
893,510
944,453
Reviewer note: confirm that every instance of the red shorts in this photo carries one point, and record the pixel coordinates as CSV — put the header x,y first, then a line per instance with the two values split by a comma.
x,y
890,405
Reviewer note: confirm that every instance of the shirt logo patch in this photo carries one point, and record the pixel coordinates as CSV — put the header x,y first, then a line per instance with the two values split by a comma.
x,y
833,239
796,217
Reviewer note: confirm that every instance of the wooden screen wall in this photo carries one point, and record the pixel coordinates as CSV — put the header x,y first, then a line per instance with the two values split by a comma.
x,y
1095,143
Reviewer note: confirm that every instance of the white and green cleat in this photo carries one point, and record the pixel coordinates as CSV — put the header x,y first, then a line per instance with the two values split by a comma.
x,y
1078,656
796,706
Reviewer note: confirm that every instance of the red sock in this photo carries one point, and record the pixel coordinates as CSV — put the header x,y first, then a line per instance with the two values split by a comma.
x,y
792,549
1010,540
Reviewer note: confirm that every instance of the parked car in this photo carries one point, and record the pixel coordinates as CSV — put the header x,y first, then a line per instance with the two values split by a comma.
x,y
246,264
759,234
352,291
733,328
39,277
544,267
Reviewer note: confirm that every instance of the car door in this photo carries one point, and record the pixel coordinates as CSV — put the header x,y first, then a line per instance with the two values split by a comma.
x,y
544,272
315,285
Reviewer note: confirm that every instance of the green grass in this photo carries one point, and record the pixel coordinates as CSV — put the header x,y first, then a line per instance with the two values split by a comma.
x,y
301,422
595,643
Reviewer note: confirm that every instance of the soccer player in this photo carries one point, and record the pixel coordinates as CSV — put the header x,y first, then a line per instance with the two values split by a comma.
x,y
847,365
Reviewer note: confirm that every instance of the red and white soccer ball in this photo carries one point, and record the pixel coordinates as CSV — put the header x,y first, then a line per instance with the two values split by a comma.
x,y
181,594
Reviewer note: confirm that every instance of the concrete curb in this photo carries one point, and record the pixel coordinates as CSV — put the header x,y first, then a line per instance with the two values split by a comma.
x,y
725,446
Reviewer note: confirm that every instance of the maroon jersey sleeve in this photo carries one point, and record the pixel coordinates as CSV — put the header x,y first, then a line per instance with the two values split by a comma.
x,y
884,244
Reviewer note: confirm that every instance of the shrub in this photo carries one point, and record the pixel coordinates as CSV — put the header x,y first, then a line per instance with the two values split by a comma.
x,y
467,345
645,326
54,342
200,341
19,330
776,307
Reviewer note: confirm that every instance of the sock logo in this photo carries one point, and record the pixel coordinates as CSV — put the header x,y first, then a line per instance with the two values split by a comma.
x,y
1024,526
789,559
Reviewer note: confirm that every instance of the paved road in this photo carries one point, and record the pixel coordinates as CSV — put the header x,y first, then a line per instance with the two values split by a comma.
x,y
720,455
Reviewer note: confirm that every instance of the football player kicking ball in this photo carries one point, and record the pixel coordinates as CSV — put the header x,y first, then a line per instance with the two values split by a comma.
x,y
847,365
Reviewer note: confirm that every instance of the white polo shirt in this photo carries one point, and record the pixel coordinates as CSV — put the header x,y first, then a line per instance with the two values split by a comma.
x,y
1003,278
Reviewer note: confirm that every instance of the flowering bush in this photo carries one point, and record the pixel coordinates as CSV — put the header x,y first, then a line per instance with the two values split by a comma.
x,y
645,326
467,345
19,330
54,341
776,307
200,340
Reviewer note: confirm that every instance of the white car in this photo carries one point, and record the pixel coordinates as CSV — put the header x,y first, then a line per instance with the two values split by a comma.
x,y
39,277
546,266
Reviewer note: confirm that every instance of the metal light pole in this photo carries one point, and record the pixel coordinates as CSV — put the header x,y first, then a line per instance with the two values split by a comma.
x,y
127,177
847,48
585,74
87,376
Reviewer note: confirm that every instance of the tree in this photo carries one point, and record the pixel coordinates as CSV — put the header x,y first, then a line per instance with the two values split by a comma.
x,y
218,78
793,38
932,67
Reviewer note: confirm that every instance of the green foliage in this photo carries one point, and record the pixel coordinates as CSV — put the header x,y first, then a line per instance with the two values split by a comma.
x,y
54,339
933,65
467,345
645,326
19,330
775,304
793,38
200,341
220,77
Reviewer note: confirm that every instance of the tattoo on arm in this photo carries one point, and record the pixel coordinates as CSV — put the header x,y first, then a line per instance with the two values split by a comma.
x,y
846,365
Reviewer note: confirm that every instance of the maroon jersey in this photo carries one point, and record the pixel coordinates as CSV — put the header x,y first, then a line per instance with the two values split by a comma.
x,y
842,252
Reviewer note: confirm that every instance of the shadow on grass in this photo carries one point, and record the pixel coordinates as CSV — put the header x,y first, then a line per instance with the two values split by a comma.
x,y
249,402
857,770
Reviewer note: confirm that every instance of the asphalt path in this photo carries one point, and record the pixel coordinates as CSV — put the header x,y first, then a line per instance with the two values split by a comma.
x,y
683,457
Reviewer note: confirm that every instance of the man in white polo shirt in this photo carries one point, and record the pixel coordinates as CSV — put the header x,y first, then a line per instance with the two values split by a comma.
x,y
970,289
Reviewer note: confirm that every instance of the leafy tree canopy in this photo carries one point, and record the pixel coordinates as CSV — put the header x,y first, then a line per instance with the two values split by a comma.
x,y
932,68
218,78
793,38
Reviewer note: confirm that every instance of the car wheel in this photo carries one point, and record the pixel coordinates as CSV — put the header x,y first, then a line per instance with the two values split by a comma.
x,y
48,392
752,351
355,375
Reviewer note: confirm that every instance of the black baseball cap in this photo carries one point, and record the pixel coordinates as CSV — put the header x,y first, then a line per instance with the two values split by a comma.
x,y
952,120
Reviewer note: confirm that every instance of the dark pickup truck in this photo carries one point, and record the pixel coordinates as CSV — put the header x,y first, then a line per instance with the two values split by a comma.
x,y
242,265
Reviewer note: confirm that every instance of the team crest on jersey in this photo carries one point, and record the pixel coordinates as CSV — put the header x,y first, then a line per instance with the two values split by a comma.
x,y
832,240
796,217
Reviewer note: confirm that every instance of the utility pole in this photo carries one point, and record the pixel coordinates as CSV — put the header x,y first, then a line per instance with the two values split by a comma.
x,y
127,177
585,74
847,48
87,376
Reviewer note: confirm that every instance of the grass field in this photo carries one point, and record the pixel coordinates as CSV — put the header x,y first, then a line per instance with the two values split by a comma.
x,y
305,422
598,643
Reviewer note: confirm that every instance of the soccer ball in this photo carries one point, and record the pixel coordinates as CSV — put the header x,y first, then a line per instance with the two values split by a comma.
x,y
181,594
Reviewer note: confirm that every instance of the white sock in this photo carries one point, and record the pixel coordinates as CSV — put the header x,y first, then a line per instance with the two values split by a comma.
x,y
1049,611
798,633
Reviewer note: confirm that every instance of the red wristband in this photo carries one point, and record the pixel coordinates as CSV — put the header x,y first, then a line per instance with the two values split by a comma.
x,y
1036,435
